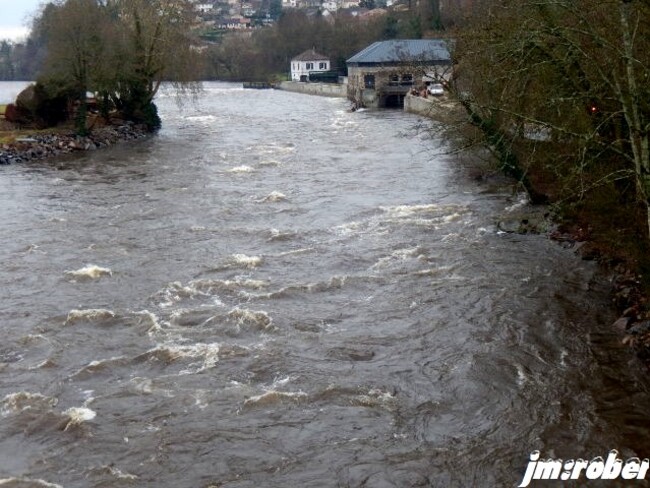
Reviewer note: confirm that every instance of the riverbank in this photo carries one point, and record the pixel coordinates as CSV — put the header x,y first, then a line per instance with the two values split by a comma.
x,y
597,228
20,146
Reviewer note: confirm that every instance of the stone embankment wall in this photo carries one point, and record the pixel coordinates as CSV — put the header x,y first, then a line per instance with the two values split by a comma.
x,y
437,108
323,89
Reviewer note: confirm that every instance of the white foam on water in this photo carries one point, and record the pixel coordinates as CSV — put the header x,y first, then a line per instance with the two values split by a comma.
x,y
89,314
142,385
563,355
260,319
200,399
273,149
209,285
433,271
241,169
349,228
376,398
175,292
296,252
522,379
113,471
273,197
283,381
397,256
150,320
277,235
273,397
401,211
22,400
173,352
33,248
431,215
200,118
77,416
90,271
31,482
451,218
246,261
46,363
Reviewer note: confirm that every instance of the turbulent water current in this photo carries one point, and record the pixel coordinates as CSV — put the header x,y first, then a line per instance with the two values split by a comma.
x,y
276,292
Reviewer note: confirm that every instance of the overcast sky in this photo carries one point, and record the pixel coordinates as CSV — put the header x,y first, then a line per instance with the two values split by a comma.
x,y
14,15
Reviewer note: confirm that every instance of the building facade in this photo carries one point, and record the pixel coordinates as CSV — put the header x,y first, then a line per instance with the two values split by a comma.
x,y
384,72
308,62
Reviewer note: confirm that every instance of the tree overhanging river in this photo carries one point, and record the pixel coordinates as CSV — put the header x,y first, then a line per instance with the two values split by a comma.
x,y
275,292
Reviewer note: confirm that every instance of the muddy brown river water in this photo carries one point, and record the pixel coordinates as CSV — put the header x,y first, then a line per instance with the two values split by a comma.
x,y
276,292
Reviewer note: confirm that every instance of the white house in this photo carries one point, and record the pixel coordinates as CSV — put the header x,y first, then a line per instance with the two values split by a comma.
x,y
204,8
308,62
330,5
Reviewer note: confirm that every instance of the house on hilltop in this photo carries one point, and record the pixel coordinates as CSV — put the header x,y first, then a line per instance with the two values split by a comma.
x,y
384,72
308,62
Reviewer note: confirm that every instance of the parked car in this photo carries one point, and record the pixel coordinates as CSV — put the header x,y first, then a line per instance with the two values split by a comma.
x,y
436,89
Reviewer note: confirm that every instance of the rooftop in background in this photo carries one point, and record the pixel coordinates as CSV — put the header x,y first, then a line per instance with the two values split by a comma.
x,y
310,55
403,50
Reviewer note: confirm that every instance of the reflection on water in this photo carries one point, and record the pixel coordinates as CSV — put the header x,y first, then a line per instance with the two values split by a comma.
x,y
277,292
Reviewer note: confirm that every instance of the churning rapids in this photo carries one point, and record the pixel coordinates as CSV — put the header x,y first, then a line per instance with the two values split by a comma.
x,y
275,292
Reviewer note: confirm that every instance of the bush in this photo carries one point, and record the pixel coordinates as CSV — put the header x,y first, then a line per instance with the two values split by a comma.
x,y
42,107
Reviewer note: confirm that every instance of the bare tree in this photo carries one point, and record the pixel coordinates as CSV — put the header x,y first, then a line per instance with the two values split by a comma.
x,y
153,41
75,50
122,50
572,71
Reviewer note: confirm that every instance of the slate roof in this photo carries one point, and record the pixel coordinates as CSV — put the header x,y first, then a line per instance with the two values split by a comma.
x,y
403,50
310,55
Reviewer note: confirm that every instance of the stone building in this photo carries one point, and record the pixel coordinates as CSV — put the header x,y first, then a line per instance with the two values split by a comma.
x,y
384,72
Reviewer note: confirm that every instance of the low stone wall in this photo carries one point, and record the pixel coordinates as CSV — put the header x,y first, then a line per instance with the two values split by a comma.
x,y
437,108
322,89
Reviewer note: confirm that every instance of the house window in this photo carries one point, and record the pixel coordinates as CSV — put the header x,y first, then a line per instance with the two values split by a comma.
x,y
309,66
393,80
407,79
369,81
322,65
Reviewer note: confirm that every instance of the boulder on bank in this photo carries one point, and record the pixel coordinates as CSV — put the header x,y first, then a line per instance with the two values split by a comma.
x,y
14,115
525,219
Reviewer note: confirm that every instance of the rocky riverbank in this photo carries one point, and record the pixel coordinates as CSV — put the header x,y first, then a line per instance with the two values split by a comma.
x,y
41,146
629,297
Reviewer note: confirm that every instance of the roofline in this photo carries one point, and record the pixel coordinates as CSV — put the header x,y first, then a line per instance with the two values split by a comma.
x,y
407,59
359,64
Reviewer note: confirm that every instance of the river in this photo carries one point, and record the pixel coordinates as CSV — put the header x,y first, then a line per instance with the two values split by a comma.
x,y
276,292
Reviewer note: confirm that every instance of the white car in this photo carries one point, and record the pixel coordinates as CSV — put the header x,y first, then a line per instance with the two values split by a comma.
x,y
436,89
